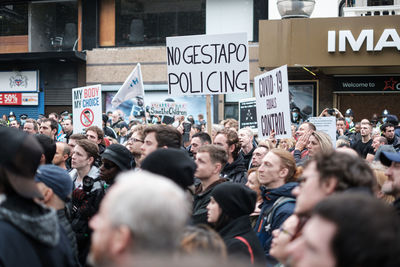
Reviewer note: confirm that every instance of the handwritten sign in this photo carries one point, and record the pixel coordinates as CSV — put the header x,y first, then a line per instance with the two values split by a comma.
x,y
208,64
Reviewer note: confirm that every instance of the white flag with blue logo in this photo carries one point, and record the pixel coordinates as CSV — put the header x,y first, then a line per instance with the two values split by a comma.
x,y
132,87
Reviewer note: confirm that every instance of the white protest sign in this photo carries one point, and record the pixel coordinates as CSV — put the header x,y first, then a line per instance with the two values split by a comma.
x,y
326,125
272,98
168,108
86,102
208,64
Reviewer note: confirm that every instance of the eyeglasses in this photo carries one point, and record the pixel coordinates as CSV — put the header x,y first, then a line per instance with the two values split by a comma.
x,y
283,230
134,140
108,165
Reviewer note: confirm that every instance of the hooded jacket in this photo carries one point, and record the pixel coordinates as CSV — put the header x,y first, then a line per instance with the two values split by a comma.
x,y
281,213
237,202
30,235
201,200
236,171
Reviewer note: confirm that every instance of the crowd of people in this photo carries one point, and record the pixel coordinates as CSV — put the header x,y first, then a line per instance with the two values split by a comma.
x,y
158,194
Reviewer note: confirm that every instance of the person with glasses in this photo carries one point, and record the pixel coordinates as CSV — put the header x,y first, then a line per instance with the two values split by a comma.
x,y
115,159
281,238
135,141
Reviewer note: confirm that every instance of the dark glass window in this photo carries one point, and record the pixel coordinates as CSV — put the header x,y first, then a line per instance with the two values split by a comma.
x,y
380,2
260,13
146,22
13,20
53,25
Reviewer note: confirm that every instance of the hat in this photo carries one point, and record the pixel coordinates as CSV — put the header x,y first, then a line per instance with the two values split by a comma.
x,y
56,178
11,114
349,112
235,199
23,116
388,157
392,119
64,113
383,148
20,156
119,155
172,163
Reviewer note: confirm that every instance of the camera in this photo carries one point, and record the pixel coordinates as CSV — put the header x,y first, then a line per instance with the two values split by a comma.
x,y
331,111
87,183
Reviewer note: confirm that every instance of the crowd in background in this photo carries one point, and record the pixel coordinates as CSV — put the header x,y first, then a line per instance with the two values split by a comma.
x,y
228,196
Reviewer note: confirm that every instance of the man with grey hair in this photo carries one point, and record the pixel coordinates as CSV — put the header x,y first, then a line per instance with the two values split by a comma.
x,y
246,144
138,218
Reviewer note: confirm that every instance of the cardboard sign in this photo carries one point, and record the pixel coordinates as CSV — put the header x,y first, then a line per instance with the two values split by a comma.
x,y
168,109
248,114
86,102
326,125
208,64
273,109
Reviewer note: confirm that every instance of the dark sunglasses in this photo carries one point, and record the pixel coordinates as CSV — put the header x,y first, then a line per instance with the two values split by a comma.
x,y
108,165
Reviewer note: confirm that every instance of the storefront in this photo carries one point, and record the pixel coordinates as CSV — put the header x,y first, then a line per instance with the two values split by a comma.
x,y
355,61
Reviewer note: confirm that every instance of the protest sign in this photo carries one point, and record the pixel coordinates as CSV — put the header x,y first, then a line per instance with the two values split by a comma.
x,y
248,114
272,98
326,125
208,64
86,102
168,109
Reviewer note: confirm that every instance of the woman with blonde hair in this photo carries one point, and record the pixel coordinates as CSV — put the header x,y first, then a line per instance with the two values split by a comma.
x,y
287,144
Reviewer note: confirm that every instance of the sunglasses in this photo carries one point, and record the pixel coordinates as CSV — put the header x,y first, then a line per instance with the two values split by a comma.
x,y
108,165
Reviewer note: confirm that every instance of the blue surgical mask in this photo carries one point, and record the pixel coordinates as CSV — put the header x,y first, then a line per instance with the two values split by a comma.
x,y
295,115
11,119
348,119
384,119
22,121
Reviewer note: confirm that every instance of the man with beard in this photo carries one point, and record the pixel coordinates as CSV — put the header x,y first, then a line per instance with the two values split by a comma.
x,y
235,169
392,185
388,132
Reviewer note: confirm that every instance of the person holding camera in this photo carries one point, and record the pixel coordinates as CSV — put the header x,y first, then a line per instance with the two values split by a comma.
x,y
87,194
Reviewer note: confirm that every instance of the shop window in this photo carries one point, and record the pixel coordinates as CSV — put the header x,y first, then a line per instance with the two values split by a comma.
x,y
13,20
147,22
53,26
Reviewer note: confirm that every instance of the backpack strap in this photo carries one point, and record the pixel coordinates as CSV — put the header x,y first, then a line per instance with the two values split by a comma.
x,y
248,247
271,212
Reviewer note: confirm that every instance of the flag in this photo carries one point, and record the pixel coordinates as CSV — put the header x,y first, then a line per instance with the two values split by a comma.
x,y
132,87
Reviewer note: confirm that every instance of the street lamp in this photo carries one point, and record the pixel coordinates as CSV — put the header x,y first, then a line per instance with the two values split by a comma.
x,y
295,8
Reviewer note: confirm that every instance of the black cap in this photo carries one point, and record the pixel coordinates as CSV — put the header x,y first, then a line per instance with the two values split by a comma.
x,y
20,156
235,199
118,154
23,116
172,163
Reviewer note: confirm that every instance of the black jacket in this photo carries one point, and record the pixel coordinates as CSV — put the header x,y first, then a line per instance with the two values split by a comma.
x,y
236,171
241,227
30,235
201,200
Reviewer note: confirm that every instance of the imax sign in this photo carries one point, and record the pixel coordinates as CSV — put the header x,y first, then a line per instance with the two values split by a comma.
x,y
388,38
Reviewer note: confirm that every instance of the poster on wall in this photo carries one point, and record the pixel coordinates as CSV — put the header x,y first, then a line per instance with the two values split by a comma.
x,y
86,107
19,81
248,114
273,103
168,109
208,64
